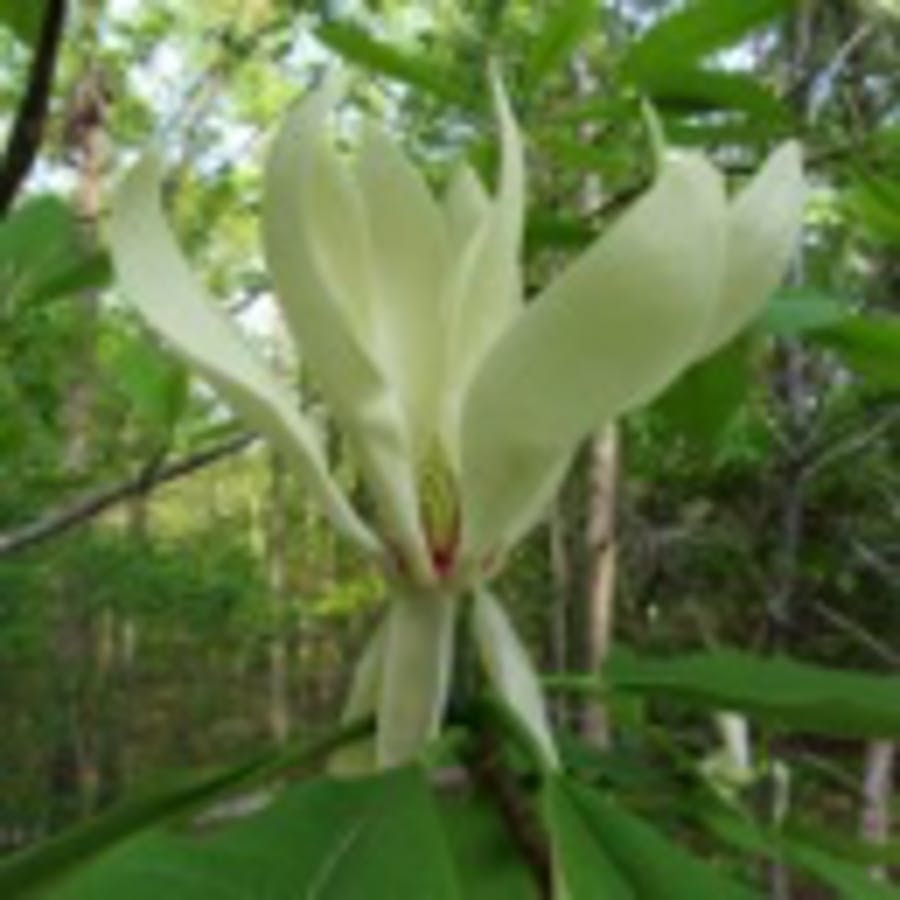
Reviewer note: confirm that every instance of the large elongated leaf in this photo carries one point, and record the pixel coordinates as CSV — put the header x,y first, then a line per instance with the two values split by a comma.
x,y
156,279
850,881
697,29
606,851
488,863
583,869
612,330
778,690
693,90
358,46
372,839
148,807
29,870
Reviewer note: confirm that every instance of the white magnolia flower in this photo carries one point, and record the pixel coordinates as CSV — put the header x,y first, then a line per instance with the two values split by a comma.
x,y
462,403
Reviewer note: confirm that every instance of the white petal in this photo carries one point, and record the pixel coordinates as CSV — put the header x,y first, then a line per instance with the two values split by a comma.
x,y
156,279
466,204
358,390
612,330
764,222
418,661
408,237
511,673
490,293
485,293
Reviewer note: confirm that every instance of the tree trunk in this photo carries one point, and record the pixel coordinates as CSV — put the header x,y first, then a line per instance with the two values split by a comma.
x,y
276,569
74,767
878,788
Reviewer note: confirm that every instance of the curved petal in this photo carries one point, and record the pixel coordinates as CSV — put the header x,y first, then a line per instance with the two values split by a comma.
x,y
408,237
764,222
415,683
490,292
466,204
613,329
485,293
156,279
356,387
511,673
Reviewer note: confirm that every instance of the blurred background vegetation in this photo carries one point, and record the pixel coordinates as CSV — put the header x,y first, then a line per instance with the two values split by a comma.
x,y
168,595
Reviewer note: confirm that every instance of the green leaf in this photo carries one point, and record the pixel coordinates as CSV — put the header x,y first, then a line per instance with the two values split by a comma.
x,y
546,230
366,839
702,402
44,255
583,869
156,279
164,800
23,18
779,691
795,311
870,345
560,33
26,871
612,330
691,90
875,202
850,881
606,851
698,29
356,45
488,863
155,384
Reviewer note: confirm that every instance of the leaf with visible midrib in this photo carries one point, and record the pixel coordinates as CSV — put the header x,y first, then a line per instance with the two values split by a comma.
x,y
376,838
608,852
778,690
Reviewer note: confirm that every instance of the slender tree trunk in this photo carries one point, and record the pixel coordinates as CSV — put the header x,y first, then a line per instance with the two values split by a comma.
x,y
601,538
276,568
877,790
601,519
75,773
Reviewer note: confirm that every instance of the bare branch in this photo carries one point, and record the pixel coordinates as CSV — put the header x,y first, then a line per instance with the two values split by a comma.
x,y
28,128
93,503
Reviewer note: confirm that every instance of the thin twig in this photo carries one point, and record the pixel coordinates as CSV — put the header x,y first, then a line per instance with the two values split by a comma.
x,y
95,502
521,824
28,127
